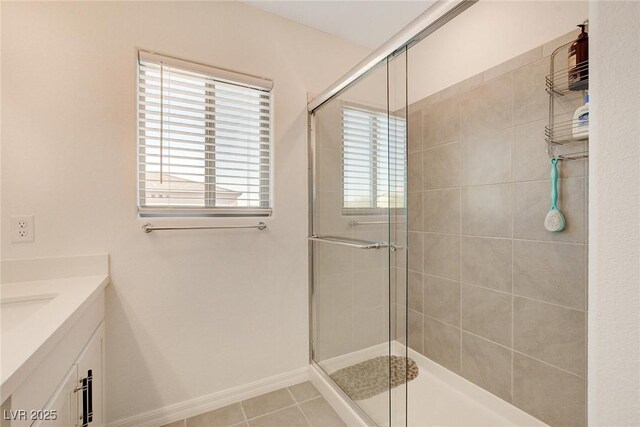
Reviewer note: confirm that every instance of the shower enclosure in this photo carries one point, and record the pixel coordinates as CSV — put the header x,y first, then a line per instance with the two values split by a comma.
x,y
358,239
437,296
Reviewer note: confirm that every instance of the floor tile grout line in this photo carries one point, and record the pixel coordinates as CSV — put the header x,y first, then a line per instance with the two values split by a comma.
x,y
244,414
271,412
299,408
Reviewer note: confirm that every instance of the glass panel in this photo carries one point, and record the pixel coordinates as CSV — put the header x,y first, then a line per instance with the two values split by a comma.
x,y
353,200
397,71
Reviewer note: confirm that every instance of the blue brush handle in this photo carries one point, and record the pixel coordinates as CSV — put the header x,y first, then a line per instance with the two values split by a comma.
x,y
554,184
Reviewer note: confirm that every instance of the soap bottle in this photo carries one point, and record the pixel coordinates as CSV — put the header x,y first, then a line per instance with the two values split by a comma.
x,y
580,127
578,61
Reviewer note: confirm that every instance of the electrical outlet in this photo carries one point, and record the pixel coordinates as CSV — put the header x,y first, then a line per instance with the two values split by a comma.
x,y
22,229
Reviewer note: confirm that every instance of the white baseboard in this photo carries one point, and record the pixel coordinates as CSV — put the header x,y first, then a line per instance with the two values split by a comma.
x,y
210,402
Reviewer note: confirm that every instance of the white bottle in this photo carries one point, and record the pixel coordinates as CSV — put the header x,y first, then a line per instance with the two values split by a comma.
x,y
580,127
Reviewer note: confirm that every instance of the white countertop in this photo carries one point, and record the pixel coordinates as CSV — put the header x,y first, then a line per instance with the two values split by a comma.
x,y
46,310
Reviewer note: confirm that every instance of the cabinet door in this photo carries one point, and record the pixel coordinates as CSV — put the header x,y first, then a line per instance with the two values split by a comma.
x,y
61,409
90,363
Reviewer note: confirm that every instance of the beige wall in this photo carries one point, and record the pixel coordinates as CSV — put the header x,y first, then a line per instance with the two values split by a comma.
x,y
614,220
493,296
188,313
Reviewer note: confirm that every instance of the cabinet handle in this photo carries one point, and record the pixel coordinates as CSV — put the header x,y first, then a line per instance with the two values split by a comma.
x,y
85,398
90,395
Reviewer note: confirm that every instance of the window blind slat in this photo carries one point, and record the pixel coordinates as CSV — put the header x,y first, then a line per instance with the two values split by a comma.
x,y
154,108
203,143
250,104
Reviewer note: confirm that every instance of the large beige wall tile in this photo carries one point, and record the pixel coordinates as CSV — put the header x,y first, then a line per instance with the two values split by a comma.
x,y
551,333
334,335
487,364
367,259
486,157
334,293
441,211
441,122
532,202
414,257
414,130
370,288
556,397
442,344
442,255
414,175
441,167
441,299
370,327
487,262
513,64
530,158
415,291
486,313
487,107
530,99
331,259
415,211
414,334
486,211
552,272
329,218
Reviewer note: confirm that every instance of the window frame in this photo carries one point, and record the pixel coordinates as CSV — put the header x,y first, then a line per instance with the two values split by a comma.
x,y
265,144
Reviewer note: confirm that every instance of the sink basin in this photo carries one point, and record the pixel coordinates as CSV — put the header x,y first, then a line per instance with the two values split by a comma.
x,y
14,311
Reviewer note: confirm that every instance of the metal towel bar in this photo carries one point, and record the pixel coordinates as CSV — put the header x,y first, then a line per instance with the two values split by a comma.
x,y
148,228
352,243
355,223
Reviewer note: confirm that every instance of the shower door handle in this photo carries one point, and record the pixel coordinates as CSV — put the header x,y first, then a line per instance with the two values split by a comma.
x,y
351,243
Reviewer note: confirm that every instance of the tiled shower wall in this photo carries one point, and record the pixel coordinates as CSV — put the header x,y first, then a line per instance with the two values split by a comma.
x,y
493,296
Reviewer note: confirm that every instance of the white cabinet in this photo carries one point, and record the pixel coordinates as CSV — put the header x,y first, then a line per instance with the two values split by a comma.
x,y
63,405
55,384
78,401
90,368
75,401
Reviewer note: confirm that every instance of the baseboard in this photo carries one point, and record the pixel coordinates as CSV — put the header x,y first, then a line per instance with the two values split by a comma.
x,y
210,402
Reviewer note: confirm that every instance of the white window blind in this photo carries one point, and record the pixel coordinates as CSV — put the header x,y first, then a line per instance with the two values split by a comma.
x,y
373,159
204,140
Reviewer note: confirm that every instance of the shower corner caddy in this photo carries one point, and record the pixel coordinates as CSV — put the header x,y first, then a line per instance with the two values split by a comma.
x,y
562,103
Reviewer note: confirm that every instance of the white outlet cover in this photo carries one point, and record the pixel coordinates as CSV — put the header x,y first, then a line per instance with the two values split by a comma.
x,y
22,228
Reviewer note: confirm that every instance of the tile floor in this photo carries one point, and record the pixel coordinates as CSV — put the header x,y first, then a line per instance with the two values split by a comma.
x,y
300,405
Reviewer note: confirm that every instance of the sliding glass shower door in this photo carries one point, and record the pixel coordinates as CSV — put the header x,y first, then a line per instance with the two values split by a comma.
x,y
358,242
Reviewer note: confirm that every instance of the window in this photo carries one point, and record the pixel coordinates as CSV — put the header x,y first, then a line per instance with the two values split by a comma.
x,y
204,140
373,160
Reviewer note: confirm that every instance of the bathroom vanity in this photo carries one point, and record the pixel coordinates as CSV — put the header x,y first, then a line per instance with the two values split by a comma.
x,y
53,341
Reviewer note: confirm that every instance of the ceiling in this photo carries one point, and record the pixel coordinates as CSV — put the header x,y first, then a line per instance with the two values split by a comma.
x,y
365,22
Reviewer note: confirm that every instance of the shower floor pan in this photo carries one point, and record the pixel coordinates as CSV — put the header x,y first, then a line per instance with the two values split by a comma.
x,y
437,397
